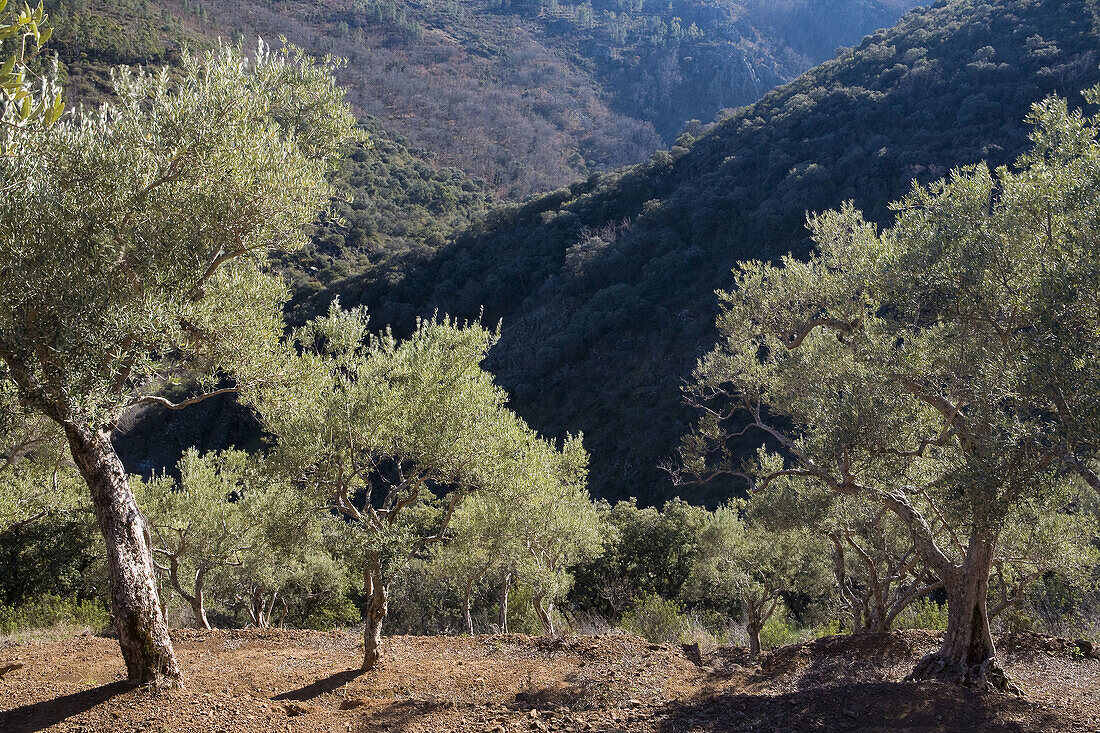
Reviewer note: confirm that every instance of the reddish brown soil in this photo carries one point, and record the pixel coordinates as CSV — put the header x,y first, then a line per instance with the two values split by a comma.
x,y
267,680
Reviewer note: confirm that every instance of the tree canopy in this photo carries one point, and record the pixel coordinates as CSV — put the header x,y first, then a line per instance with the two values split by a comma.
x,y
944,367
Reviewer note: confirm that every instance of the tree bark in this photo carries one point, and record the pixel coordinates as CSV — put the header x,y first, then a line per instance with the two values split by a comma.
x,y
196,599
466,606
844,585
199,609
502,612
257,607
135,603
377,601
753,630
967,655
545,613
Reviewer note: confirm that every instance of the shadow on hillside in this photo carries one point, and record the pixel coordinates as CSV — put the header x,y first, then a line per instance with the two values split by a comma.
x,y
859,706
320,687
41,715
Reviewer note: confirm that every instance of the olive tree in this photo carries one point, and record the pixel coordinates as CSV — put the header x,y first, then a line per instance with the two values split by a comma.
x,y
216,517
532,533
945,368
1044,539
27,100
132,246
877,568
289,572
395,434
747,564
481,545
559,527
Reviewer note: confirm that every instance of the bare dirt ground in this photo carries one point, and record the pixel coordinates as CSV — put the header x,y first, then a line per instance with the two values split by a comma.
x,y
272,680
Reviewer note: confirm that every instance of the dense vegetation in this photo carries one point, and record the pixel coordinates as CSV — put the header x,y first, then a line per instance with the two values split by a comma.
x,y
606,287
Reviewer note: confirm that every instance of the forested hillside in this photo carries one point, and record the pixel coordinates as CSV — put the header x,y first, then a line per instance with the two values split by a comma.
x,y
606,288
527,95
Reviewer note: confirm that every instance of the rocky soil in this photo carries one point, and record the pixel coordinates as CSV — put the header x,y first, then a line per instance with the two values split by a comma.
x,y
275,680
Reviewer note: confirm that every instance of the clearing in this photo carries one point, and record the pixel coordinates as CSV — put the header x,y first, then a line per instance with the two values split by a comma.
x,y
279,680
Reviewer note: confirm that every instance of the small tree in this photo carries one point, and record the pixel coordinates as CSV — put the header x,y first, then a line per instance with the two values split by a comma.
x,y
532,535
746,564
395,435
1044,539
878,570
559,528
481,545
132,242
214,518
945,368
288,573
647,551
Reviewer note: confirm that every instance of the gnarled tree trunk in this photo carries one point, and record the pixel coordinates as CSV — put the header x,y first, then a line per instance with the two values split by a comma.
x,y
545,611
198,607
197,599
377,600
135,604
967,655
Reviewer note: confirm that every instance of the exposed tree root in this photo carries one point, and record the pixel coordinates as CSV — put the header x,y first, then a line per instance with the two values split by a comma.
x,y
985,676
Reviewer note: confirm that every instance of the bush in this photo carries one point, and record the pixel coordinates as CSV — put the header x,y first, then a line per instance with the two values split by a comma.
x,y
924,614
655,618
779,630
50,611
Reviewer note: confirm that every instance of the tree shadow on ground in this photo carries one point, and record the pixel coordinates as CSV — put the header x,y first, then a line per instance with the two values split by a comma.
x,y
399,716
320,687
41,715
860,707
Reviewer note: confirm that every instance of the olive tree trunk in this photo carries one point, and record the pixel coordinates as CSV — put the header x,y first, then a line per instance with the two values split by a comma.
x,y
545,611
377,595
967,655
198,607
466,615
135,604
502,611
197,599
752,628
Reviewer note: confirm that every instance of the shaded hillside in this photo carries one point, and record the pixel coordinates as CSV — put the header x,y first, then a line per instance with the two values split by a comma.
x,y
393,211
606,287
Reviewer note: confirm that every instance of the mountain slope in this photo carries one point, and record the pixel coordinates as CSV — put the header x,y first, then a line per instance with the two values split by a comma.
x,y
606,287
525,94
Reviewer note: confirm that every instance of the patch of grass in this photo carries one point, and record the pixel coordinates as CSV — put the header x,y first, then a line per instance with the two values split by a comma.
x,y
924,614
51,617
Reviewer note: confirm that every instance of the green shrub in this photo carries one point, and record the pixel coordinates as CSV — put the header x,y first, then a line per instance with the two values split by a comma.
x,y
779,630
522,618
924,614
339,612
655,618
50,611
828,628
